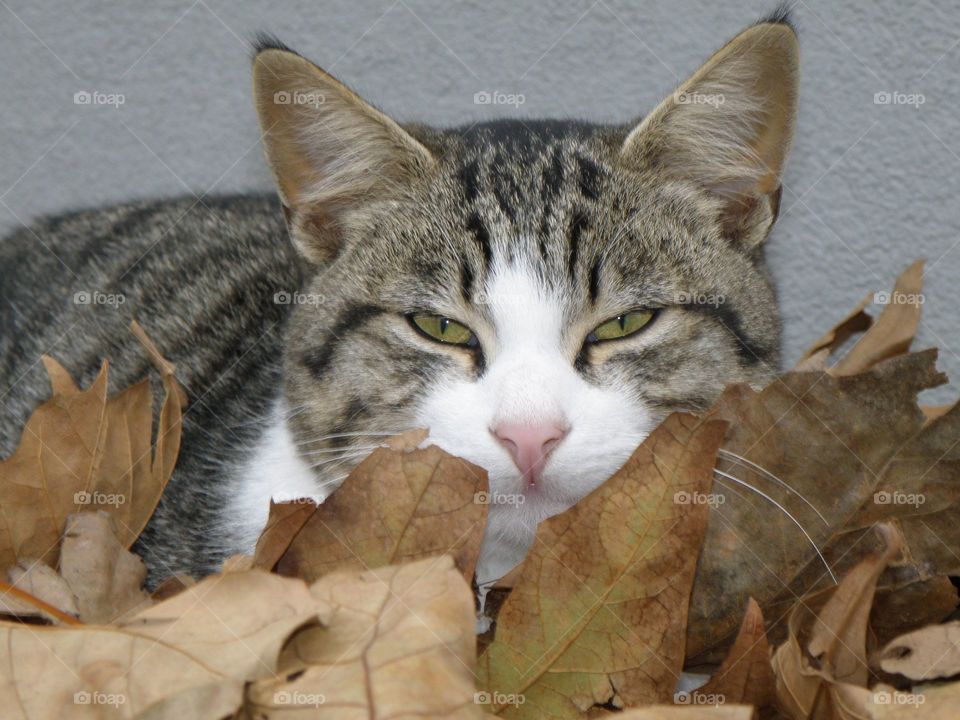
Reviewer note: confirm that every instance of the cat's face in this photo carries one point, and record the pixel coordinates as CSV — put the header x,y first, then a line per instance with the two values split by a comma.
x,y
539,295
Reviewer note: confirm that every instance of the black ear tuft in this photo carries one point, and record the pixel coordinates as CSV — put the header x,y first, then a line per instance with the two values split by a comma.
x,y
781,15
267,41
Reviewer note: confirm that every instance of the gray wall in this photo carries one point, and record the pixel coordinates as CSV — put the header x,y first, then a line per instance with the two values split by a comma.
x,y
869,188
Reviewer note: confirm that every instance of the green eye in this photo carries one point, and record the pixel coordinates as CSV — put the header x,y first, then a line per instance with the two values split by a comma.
x,y
621,326
444,329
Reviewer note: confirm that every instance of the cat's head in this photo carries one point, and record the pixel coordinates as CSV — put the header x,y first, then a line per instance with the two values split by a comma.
x,y
538,294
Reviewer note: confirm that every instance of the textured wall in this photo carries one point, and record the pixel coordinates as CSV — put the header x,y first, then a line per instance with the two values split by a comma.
x,y
869,187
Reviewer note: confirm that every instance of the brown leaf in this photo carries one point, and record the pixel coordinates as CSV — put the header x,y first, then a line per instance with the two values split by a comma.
x,y
857,321
826,679
800,435
396,506
106,580
902,609
893,332
43,584
672,712
396,642
81,450
925,703
925,654
600,607
284,523
193,652
745,675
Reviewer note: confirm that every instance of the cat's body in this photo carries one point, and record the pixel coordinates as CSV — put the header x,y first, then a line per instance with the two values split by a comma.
x,y
538,294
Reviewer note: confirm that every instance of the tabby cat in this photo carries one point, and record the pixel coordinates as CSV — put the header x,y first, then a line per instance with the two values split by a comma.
x,y
539,294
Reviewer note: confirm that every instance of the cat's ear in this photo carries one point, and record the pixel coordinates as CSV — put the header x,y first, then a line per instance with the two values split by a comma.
x,y
328,149
728,128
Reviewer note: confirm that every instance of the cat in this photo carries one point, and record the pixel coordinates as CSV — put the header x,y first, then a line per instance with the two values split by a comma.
x,y
538,294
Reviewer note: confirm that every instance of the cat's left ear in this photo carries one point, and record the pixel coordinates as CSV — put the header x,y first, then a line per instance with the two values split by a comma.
x,y
329,150
728,128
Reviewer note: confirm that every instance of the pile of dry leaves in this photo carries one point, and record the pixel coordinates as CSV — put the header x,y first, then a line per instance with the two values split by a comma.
x,y
794,545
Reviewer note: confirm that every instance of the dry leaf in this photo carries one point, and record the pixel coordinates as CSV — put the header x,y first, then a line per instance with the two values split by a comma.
x,y
856,424
925,654
857,321
924,703
43,583
600,606
745,675
106,580
893,332
899,610
396,506
826,679
396,642
284,523
81,450
672,712
205,642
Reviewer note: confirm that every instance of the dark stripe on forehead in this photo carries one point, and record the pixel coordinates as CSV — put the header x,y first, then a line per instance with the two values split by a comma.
x,y
594,288
469,176
578,225
588,177
466,280
482,236
317,360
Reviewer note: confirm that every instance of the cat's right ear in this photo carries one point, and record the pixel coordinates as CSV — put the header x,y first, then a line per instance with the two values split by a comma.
x,y
328,149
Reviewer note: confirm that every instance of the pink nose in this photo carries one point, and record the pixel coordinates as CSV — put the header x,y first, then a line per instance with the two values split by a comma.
x,y
529,445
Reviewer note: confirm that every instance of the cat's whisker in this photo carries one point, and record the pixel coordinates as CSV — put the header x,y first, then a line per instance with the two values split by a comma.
x,y
337,436
770,476
334,451
785,512
333,460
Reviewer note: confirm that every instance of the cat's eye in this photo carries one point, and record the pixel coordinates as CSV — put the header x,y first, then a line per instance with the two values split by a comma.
x,y
621,326
443,329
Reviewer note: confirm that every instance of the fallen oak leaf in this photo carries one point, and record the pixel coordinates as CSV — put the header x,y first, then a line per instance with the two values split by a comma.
x,y
857,321
284,523
397,641
600,607
396,506
745,675
925,654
